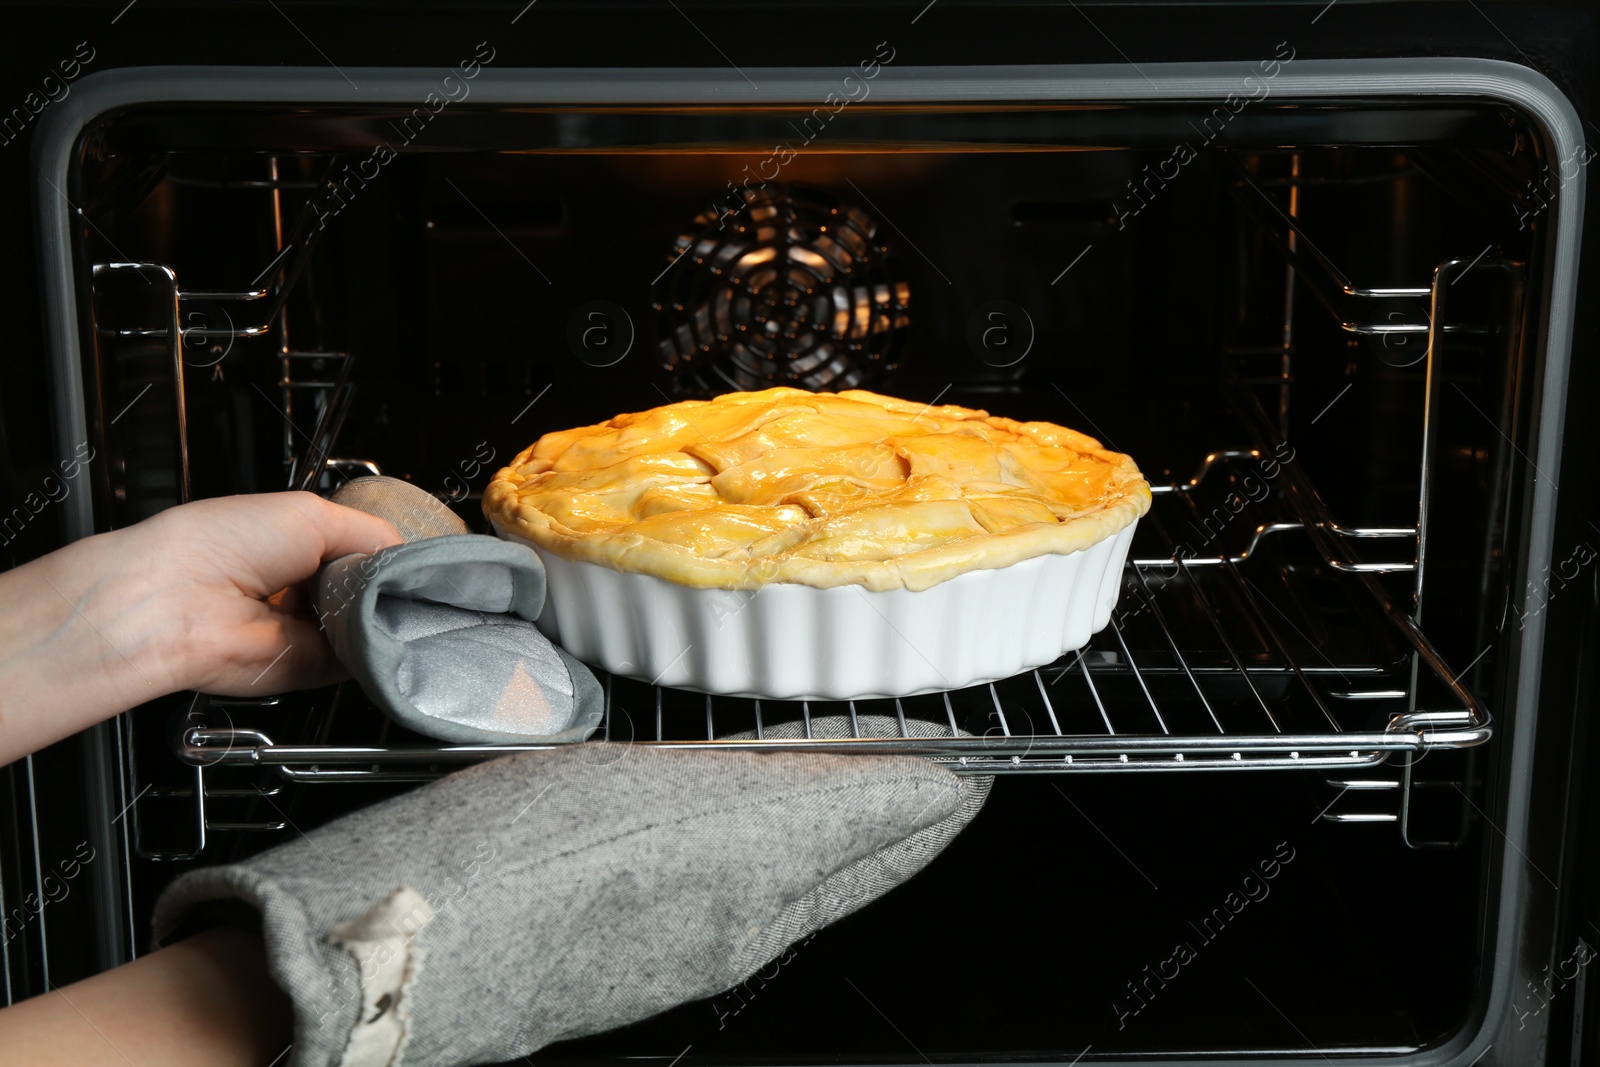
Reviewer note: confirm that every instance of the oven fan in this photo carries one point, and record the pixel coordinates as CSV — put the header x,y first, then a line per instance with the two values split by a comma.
x,y
795,288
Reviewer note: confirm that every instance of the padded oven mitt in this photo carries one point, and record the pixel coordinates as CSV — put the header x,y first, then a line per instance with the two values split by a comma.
x,y
439,631
553,894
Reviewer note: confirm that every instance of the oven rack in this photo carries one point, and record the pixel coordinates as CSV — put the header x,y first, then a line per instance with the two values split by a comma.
x,y
1200,669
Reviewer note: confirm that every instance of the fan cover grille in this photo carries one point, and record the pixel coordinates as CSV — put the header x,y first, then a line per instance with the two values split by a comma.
x,y
796,289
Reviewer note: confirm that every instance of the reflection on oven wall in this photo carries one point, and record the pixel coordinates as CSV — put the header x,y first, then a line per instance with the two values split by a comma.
x,y
425,331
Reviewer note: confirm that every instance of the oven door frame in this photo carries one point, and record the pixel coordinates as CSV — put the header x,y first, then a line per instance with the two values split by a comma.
x,y
1521,948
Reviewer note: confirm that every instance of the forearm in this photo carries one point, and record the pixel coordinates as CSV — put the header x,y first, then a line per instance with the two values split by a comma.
x,y
204,1001
82,637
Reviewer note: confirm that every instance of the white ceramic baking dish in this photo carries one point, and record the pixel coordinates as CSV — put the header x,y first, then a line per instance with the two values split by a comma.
x,y
796,642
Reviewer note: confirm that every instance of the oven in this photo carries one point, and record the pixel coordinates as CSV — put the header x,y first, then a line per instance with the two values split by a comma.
x,y
1319,789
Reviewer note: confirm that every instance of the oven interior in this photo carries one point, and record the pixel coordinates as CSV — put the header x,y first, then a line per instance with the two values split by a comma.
x,y
1305,321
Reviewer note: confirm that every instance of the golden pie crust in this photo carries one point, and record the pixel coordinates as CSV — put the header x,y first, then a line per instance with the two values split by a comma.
x,y
820,489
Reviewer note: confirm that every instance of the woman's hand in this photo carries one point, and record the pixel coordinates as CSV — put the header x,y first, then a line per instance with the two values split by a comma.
x,y
230,573
203,596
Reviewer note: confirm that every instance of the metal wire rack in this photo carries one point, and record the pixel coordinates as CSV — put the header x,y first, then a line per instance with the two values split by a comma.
x,y
1208,664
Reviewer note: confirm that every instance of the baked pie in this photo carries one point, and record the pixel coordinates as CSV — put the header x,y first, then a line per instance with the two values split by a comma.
x,y
815,489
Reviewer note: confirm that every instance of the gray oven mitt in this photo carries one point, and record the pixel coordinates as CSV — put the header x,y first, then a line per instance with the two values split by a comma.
x,y
553,894
439,631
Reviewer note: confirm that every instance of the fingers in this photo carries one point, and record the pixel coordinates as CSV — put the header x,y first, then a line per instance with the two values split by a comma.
x,y
224,572
308,663
298,657
293,601
255,544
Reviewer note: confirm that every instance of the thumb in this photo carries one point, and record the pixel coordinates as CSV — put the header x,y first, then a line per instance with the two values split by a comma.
x,y
301,532
345,529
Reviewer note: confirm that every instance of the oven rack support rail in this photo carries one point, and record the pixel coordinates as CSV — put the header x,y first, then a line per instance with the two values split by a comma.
x,y
1118,744
1360,311
205,323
